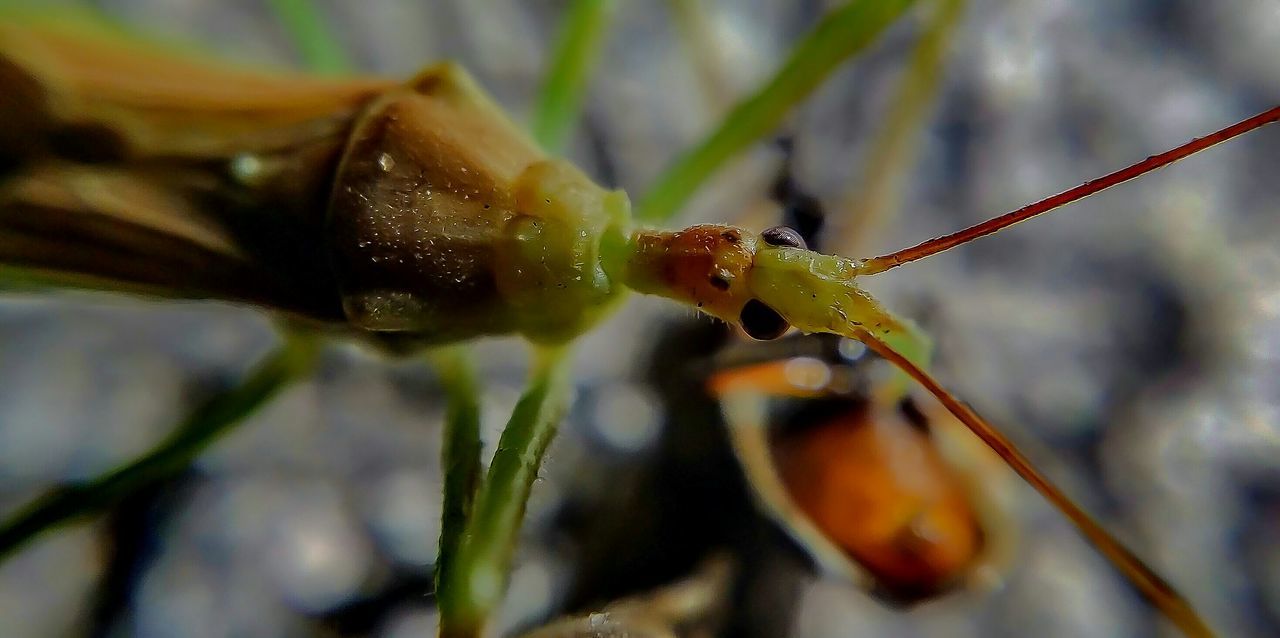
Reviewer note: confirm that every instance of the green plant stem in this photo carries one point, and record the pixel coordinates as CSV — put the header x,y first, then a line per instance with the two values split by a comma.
x,y
842,33
312,36
202,427
460,452
577,50
478,579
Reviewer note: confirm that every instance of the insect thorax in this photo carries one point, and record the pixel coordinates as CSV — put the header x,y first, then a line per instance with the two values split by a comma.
x,y
447,223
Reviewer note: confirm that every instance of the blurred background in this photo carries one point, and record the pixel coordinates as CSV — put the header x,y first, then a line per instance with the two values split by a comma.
x,y
1131,343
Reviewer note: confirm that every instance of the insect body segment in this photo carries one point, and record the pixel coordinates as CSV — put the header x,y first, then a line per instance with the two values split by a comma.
x,y
447,222
705,266
132,169
763,284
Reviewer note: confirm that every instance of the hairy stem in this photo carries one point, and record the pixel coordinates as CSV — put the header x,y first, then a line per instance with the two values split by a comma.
x,y
477,579
460,452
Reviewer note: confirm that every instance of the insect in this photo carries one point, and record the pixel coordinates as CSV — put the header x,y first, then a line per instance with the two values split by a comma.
x,y
532,248
836,473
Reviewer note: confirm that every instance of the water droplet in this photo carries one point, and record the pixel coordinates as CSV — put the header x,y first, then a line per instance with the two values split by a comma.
x,y
386,163
807,373
245,167
851,350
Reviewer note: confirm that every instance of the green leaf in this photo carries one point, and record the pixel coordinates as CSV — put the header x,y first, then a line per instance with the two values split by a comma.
x,y
841,34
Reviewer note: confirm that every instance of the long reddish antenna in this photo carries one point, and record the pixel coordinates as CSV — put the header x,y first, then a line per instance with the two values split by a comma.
x,y
939,244
1156,589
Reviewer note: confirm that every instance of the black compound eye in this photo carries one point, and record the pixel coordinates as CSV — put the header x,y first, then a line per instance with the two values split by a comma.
x,y
762,322
783,236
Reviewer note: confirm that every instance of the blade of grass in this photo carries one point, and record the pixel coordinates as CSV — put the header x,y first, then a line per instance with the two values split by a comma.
x,y
697,36
478,578
842,33
577,50
460,452
312,36
217,416
875,195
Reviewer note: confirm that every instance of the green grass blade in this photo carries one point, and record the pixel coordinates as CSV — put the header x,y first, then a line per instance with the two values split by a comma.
x,y
312,36
577,50
460,452
842,33
202,427
874,197
696,29
478,578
